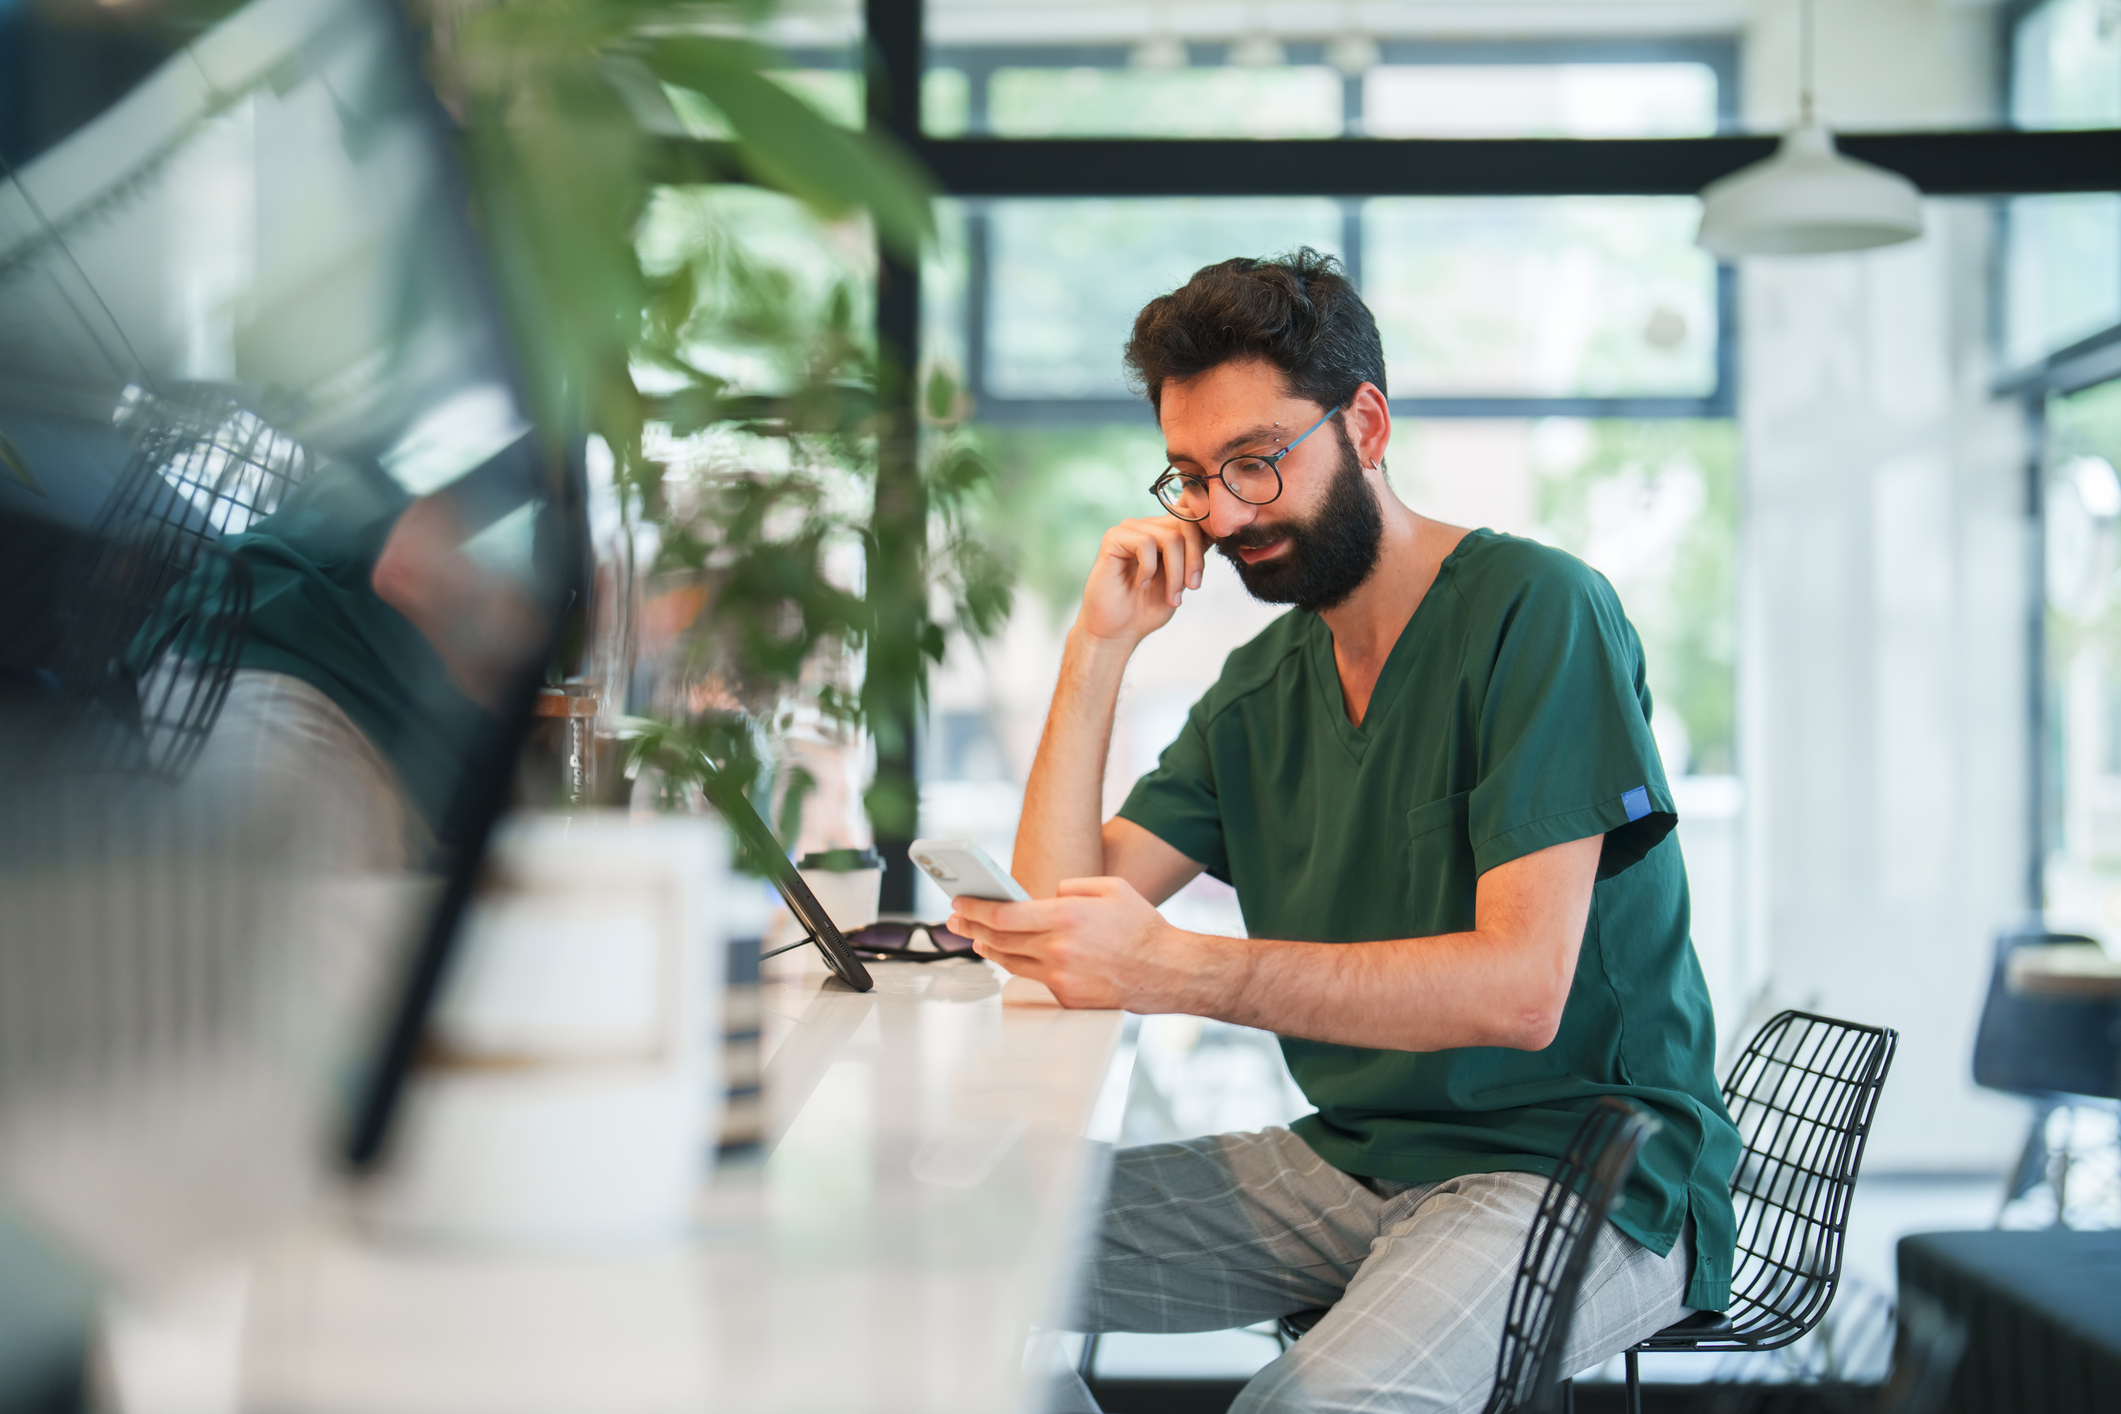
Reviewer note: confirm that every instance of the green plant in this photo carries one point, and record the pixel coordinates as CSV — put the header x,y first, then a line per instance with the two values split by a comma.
x,y
654,317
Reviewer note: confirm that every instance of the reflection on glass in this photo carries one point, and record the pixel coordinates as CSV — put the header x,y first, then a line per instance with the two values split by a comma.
x,y
1189,102
272,515
1539,100
2062,268
1068,277
1541,297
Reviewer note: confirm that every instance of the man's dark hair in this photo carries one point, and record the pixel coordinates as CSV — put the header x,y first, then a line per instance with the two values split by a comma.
x,y
1296,311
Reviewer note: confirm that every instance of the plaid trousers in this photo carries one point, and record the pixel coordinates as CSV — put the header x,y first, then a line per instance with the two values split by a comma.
x,y
1235,1229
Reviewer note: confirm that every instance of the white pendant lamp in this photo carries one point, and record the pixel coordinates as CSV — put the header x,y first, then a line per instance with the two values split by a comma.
x,y
1808,199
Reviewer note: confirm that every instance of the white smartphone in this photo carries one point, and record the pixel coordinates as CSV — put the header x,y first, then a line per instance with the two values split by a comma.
x,y
961,869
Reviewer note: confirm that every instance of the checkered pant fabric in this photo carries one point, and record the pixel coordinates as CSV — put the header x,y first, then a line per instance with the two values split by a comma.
x,y
312,789
1235,1229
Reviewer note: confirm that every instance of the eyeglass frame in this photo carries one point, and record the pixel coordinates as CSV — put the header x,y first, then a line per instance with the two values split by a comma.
x,y
1222,473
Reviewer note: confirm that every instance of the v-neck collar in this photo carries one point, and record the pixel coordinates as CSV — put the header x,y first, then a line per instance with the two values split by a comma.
x,y
1391,679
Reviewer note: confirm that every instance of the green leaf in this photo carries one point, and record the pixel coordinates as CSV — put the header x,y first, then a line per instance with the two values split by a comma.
x,y
787,145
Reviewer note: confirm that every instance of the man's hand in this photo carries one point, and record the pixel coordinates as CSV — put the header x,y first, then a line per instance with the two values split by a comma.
x,y
1504,983
1143,568
1098,944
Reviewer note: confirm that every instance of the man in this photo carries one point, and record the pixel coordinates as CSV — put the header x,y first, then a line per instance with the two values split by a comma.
x,y
1434,787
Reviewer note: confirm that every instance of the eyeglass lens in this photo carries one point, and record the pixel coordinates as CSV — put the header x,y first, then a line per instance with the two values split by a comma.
x,y
1250,479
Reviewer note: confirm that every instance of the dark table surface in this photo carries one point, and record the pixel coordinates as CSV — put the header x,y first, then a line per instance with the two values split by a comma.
x,y
2042,1312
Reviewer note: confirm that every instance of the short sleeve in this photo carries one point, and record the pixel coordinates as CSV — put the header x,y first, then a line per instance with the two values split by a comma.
x,y
1564,742
1177,801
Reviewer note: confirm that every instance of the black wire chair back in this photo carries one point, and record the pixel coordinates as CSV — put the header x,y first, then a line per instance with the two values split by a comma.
x,y
204,466
1804,1095
1580,1197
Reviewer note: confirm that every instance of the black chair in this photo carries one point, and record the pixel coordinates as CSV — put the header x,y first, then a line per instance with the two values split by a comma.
x,y
2055,1052
1580,1196
1804,1094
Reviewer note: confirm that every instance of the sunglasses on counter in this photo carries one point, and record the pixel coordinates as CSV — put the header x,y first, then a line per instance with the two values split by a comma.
x,y
895,941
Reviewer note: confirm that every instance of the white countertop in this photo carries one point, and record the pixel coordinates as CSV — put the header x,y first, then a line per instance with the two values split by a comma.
x,y
919,1208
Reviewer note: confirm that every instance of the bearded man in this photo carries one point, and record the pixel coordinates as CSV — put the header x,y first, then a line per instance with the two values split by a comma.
x,y
1434,788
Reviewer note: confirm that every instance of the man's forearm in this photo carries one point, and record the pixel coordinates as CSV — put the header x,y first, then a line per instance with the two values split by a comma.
x,y
1060,836
1408,994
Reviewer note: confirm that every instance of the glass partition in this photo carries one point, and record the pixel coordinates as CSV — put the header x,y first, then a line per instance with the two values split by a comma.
x,y
283,569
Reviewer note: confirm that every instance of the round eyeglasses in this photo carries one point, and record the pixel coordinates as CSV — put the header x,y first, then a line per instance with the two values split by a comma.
x,y
1253,480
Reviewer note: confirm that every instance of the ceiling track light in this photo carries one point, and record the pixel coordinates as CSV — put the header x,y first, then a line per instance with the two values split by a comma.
x,y
1808,199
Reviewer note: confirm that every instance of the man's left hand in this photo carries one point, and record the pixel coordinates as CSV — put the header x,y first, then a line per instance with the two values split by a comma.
x,y
1098,944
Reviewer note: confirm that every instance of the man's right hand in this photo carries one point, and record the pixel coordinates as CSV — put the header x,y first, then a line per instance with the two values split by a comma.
x,y
1143,569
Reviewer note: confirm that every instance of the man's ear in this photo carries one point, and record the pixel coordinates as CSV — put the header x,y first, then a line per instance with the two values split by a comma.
x,y
1369,419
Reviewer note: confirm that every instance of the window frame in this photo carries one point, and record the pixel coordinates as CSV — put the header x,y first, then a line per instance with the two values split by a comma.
x,y
979,62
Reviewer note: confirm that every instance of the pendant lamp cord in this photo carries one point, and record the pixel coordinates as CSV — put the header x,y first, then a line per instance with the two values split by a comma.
x,y
1806,42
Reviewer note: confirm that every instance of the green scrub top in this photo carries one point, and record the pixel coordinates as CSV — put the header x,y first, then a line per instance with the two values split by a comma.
x,y
315,616
1511,715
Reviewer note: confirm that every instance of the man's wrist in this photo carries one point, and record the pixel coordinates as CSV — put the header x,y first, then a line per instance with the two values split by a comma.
x,y
1096,656
1216,973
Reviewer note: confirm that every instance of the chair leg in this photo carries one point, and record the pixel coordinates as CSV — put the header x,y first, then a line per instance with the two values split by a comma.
x,y
2033,1161
1634,1384
2062,1157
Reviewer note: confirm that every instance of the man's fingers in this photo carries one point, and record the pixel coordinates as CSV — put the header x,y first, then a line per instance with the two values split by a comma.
x,y
1196,552
1037,916
1177,561
1147,555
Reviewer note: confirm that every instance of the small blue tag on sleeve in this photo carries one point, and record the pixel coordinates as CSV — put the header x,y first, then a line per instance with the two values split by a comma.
x,y
1637,802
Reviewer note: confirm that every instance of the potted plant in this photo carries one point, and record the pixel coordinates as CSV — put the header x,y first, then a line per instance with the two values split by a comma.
x,y
738,398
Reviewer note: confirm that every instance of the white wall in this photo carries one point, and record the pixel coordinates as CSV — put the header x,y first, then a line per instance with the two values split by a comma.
x,y
1884,721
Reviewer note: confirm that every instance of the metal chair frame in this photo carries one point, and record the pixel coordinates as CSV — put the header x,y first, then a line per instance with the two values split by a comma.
x,y
1804,1095
203,466
1580,1196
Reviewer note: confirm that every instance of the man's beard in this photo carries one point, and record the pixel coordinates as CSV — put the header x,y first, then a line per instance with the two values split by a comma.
x,y
1328,556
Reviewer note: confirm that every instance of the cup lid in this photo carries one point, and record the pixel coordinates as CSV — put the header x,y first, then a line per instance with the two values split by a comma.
x,y
841,861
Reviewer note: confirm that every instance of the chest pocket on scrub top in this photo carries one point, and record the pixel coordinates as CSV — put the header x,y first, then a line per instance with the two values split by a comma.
x,y
1439,862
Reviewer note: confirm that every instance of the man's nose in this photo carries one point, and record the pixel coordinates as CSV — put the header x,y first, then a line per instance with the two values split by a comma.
x,y
1226,514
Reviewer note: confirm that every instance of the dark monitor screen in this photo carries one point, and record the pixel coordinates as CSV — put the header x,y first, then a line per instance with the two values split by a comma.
x,y
279,569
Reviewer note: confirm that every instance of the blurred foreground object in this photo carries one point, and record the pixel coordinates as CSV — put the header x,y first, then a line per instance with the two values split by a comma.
x,y
280,574
570,1095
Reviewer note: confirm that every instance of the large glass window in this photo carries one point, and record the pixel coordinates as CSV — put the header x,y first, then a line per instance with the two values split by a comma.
x,y
1540,100
1066,278
1037,101
2082,505
1549,297
2062,263
2066,66
1488,305
1257,82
